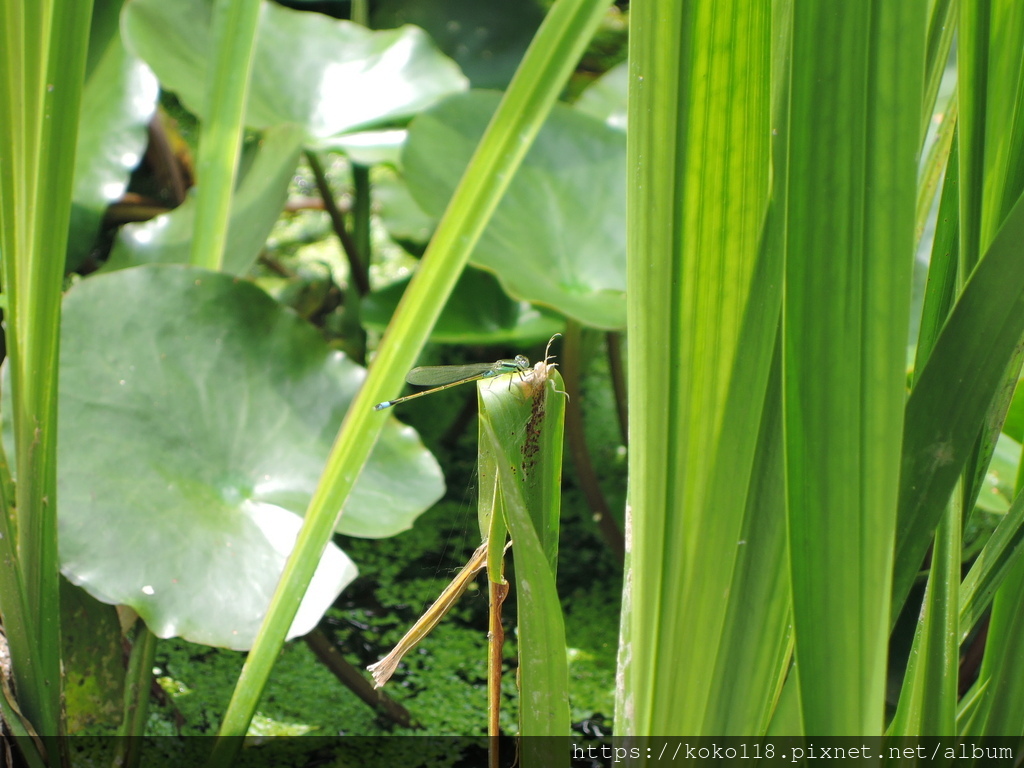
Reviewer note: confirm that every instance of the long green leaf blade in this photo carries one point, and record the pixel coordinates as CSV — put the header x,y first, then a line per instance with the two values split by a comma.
x,y
540,78
946,409
521,449
44,48
234,40
699,156
855,125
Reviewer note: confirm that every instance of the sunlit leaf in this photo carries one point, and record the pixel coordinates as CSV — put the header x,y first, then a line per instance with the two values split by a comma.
x,y
558,235
486,39
197,415
478,312
118,100
258,201
325,75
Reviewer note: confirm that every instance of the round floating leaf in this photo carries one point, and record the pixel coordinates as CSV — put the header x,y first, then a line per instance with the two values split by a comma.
x,y
402,216
261,194
478,312
605,98
558,237
487,40
118,101
325,75
196,418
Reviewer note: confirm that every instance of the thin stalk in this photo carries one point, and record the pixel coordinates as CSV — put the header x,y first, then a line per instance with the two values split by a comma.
x,y
357,271
495,657
234,41
361,204
613,341
610,532
559,43
361,12
941,26
359,286
128,748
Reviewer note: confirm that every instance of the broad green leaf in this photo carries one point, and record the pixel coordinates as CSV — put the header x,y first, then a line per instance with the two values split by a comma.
x,y
757,637
324,75
487,40
558,235
369,147
404,220
605,98
118,101
855,124
541,76
197,416
704,297
990,38
478,312
521,426
258,201
947,407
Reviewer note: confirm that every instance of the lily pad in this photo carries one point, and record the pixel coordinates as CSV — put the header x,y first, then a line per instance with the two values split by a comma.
x,y
605,98
118,101
326,75
403,218
478,312
487,40
261,194
196,415
558,237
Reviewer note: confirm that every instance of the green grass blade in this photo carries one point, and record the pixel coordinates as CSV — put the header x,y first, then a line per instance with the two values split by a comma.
x,y
699,157
928,699
757,639
234,40
972,86
521,447
932,168
941,25
1001,553
941,289
44,52
954,390
992,38
1000,709
854,125
541,76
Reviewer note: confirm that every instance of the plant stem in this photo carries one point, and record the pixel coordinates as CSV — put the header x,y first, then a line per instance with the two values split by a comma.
x,y
128,748
357,271
613,343
606,524
353,679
